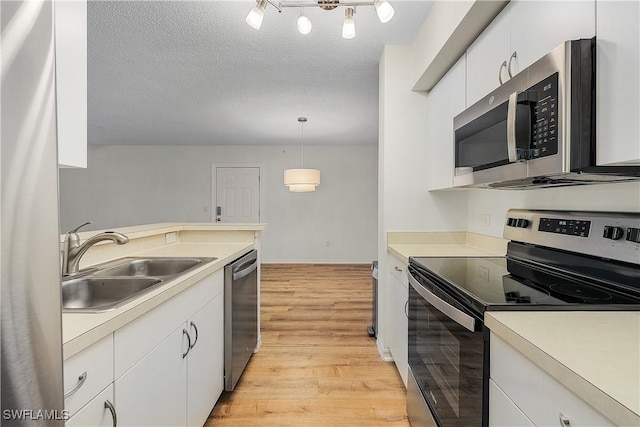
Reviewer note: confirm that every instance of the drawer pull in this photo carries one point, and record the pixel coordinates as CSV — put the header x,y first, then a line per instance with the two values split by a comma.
x,y
108,405
81,379
193,325
396,268
184,332
513,55
564,421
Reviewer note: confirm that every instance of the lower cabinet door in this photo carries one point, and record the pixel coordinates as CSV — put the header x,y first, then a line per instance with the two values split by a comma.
x,y
502,411
399,325
97,412
153,391
206,361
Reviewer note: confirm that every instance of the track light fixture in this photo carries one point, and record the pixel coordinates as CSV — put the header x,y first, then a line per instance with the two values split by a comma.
x,y
254,18
304,23
383,8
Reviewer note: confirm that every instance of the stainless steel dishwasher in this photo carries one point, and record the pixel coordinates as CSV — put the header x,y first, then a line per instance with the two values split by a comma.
x,y
240,316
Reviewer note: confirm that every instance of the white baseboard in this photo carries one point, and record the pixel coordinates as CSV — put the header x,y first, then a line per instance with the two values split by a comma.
x,y
385,353
255,350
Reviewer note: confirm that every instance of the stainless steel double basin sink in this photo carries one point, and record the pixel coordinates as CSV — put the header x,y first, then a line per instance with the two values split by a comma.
x,y
110,285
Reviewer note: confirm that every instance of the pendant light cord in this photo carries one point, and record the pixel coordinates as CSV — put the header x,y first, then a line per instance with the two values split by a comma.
x,y
302,145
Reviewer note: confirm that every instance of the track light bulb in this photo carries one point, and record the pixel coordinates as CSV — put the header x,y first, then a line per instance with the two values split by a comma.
x,y
254,18
304,24
384,10
349,26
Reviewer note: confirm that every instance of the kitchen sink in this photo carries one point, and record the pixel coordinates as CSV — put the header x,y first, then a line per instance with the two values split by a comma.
x,y
107,286
157,267
103,293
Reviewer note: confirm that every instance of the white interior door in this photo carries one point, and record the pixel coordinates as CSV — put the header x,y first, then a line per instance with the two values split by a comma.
x,y
237,194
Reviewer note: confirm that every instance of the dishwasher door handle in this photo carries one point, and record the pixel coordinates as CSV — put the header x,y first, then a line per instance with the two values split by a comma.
x,y
246,271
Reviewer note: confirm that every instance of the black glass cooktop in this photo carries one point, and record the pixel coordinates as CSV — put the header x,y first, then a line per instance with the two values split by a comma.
x,y
502,283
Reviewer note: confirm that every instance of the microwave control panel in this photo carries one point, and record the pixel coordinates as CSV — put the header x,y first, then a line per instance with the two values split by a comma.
x,y
544,133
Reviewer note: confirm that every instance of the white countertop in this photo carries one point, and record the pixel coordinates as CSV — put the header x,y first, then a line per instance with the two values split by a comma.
x,y
80,330
444,244
595,354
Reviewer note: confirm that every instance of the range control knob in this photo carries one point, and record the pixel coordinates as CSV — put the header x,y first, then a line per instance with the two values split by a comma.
x,y
613,232
522,223
633,235
511,222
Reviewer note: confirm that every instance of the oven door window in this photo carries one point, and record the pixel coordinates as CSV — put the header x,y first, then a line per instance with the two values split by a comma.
x,y
447,362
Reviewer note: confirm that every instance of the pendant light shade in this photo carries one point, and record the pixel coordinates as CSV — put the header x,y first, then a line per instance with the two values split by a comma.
x,y
304,23
302,180
349,26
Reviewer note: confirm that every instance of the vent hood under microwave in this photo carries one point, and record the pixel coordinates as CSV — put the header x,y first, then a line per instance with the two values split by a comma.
x,y
537,129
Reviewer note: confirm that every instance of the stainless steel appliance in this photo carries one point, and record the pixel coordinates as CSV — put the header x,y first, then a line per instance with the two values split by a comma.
x,y
240,316
372,329
537,129
555,261
32,390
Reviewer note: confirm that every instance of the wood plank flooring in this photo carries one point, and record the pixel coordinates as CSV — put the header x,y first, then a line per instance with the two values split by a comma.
x,y
317,366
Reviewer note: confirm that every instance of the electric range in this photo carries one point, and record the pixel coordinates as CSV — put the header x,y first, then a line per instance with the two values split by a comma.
x,y
555,261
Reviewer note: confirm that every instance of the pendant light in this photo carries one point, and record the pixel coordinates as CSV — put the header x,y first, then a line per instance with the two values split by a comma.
x,y
304,23
302,180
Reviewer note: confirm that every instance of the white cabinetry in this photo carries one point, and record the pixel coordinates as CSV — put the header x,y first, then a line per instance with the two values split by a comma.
x,y
445,101
70,20
618,82
88,373
399,295
96,413
205,367
539,396
521,34
153,392
169,362
502,411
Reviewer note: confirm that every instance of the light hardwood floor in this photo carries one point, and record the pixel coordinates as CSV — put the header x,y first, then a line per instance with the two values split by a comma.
x,y
317,366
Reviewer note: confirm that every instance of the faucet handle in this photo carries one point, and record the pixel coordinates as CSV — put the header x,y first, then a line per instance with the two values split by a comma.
x,y
75,230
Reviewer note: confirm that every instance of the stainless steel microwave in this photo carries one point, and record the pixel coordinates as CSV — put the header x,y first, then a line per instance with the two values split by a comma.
x,y
537,129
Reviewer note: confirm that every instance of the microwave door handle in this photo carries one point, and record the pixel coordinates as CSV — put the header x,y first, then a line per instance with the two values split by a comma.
x,y
511,127
461,318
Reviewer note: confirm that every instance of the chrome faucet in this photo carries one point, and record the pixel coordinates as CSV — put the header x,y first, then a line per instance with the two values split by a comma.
x,y
72,250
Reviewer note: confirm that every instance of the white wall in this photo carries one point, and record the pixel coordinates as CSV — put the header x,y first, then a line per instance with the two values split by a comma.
x,y
606,197
129,185
404,204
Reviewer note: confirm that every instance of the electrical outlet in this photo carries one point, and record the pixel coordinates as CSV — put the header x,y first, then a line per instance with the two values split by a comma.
x,y
485,220
170,237
483,273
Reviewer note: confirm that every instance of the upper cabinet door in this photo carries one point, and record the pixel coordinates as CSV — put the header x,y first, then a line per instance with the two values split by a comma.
x,y
70,20
618,83
485,56
539,26
444,102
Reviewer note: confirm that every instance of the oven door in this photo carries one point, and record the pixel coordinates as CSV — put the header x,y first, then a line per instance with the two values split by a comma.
x,y
448,360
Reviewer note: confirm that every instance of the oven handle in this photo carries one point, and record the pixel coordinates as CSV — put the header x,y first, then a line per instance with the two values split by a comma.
x,y
511,128
447,309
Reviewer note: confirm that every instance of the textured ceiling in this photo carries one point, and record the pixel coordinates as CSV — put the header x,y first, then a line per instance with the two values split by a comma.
x,y
194,73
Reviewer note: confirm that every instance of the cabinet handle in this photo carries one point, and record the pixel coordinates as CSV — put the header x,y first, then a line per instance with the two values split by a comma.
x,y
193,325
504,65
513,55
396,268
184,332
81,379
108,405
406,309
564,421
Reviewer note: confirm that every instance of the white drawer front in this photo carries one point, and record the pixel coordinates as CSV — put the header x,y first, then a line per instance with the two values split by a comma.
x,y
95,363
540,396
95,414
133,341
398,269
